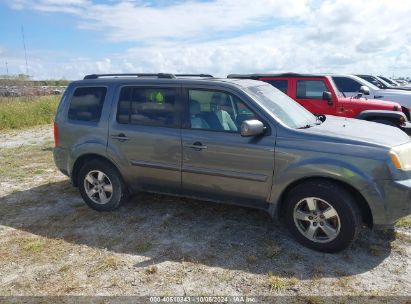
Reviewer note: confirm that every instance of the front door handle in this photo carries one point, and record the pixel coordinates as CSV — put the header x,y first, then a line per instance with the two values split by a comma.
x,y
120,137
198,146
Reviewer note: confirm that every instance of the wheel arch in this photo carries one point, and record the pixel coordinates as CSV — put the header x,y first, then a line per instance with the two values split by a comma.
x,y
366,214
81,160
392,117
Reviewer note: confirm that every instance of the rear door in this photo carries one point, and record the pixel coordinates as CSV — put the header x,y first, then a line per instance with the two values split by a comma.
x,y
218,163
145,136
309,92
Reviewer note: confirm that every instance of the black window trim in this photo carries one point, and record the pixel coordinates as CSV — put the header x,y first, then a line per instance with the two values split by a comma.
x,y
70,98
178,103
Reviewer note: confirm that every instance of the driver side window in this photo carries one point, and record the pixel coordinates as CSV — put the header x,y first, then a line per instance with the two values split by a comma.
x,y
217,111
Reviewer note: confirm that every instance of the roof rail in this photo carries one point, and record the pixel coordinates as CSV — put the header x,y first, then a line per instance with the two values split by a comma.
x,y
194,75
159,75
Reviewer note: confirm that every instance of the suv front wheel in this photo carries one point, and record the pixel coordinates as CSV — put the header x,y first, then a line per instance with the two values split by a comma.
x,y
322,216
101,186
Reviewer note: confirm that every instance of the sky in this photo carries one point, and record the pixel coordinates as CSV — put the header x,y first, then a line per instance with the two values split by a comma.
x,y
67,39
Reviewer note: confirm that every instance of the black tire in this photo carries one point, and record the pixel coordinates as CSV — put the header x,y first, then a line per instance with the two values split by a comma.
x,y
337,197
119,191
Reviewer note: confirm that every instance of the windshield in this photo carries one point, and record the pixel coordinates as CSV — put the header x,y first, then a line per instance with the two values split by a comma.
x,y
336,90
366,83
374,81
281,106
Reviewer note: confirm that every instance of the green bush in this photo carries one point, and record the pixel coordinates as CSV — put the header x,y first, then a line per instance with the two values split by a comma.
x,y
23,112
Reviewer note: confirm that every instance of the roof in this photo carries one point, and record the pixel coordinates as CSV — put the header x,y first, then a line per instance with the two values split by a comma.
x,y
288,75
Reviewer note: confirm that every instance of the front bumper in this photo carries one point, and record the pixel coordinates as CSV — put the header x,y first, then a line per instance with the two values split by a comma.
x,y
395,203
406,127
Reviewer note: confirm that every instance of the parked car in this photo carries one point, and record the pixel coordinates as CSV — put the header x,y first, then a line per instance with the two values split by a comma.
x,y
390,81
380,83
234,141
319,95
350,85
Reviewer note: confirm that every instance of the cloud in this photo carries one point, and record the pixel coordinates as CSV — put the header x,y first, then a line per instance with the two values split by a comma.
x,y
222,36
141,21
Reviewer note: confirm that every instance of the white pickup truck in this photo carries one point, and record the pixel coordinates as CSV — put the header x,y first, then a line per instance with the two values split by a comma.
x,y
350,85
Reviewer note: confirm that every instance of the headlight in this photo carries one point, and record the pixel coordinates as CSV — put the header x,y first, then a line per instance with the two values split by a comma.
x,y
401,157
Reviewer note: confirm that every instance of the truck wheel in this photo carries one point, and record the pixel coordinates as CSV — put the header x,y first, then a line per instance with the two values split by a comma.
x,y
322,215
101,186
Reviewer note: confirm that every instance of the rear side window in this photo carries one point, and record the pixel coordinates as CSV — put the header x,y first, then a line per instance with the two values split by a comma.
x,y
147,106
282,85
87,103
310,89
345,84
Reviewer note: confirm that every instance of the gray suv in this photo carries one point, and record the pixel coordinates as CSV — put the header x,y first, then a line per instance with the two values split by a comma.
x,y
234,141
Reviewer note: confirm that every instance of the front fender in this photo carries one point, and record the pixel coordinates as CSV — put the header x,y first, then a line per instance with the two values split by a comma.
x,y
393,116
329,168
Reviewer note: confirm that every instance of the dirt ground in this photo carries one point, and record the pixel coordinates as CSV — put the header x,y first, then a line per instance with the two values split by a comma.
x,y
51,243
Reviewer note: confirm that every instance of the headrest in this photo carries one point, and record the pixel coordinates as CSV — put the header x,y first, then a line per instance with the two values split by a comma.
x,y
219,98
194,107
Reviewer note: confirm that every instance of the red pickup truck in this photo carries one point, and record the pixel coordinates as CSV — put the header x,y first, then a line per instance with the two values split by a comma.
x,y
319,95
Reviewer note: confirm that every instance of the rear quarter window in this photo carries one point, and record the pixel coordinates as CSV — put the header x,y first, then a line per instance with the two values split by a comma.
x,y
280,84
86,104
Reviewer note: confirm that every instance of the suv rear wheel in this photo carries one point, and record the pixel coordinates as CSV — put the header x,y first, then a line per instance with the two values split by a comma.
x,y
101,186
322,216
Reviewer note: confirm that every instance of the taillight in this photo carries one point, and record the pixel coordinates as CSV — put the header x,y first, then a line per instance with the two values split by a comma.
x,y
56,134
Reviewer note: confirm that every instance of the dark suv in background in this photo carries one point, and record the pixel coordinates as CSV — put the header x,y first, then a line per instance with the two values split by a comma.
x,y
235,141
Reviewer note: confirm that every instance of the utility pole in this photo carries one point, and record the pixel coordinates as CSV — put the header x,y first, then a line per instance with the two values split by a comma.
x,y
25,51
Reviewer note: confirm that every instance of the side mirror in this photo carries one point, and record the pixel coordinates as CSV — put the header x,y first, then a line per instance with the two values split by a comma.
x,y
364,90
328,96
252,127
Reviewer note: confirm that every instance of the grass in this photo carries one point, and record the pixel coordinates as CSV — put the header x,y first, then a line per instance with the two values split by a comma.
x,y
405,222
24,112
25,162
151,270
278,284
107,263
272,249
64,268
34,246
143,247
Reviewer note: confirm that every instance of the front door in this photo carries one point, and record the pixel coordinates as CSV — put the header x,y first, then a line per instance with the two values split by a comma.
x,y
218,163
145,137
309,93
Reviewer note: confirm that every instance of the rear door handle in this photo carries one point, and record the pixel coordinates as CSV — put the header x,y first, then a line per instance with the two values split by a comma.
x,y
198,146
120,137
